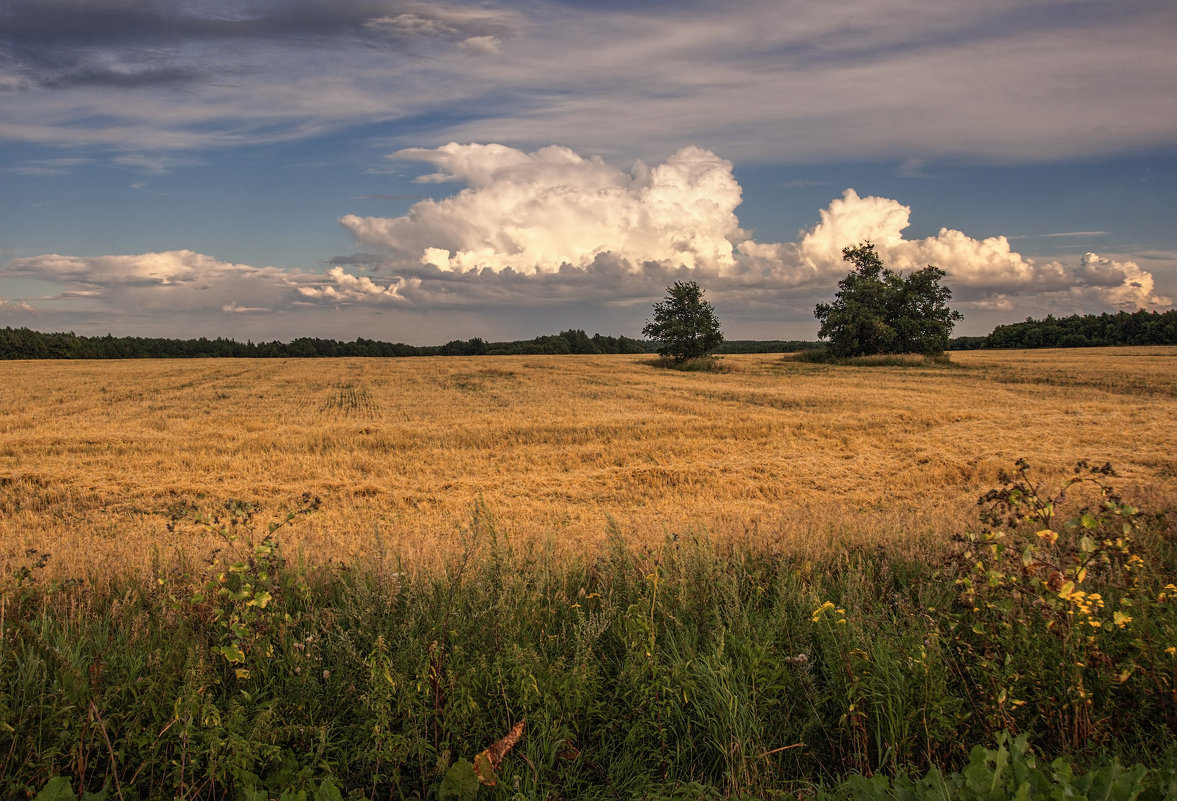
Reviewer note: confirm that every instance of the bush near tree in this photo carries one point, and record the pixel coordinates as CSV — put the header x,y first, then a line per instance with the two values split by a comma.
x,y
684,326
877,310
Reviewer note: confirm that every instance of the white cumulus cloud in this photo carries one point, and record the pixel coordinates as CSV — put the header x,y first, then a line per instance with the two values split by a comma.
x,y
343,286
981,267
553,210
535,212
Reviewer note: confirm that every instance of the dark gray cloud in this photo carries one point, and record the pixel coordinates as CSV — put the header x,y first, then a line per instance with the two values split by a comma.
x,y
57,44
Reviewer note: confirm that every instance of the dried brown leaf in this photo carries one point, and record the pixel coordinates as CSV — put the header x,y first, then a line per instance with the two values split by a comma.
x,y
486,763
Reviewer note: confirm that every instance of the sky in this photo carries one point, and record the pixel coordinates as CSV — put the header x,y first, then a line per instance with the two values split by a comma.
x,y
421,172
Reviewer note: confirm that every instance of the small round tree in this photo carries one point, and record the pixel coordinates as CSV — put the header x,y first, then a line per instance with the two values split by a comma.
x,y
684,325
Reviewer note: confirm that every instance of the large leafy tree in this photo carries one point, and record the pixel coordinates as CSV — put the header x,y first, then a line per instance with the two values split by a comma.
x,y
877,310
684,325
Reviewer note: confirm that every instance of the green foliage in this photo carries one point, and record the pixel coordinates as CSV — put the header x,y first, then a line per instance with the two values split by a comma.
x,y
56,789
1009,772
681,670
242,586
460,783
684,325
24,343
877,310
1080,330
1074,591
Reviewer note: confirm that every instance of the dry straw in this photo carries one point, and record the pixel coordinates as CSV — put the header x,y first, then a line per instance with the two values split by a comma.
x,y
105,465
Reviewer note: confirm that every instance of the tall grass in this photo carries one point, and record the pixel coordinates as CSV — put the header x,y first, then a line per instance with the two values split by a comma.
x,y
690,664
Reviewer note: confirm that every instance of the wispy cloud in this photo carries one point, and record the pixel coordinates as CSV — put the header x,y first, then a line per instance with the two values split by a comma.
x,y
903,81
61,166
17,307
154,163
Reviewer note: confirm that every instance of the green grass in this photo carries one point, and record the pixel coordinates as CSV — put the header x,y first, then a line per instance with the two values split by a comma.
x,y
689,670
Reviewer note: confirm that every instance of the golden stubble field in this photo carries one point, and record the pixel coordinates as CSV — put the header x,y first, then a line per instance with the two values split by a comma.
x,y
97,458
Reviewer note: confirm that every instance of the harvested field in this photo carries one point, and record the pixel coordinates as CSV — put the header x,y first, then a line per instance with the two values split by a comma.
x,y
105,465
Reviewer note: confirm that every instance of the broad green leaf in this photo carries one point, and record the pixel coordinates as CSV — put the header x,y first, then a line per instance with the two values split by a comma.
x,y
232,653
460,783
328,792
56,789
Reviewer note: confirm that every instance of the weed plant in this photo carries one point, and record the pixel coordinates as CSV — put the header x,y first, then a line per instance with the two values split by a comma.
x,y
686,670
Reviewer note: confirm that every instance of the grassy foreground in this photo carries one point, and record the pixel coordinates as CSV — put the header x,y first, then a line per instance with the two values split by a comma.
x,y
681,670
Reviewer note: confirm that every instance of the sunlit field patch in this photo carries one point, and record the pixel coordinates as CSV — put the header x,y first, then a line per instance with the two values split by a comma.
x,y
107,465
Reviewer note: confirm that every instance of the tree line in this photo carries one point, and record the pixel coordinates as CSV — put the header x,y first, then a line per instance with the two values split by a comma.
x,y
1080,331
849,310
25,343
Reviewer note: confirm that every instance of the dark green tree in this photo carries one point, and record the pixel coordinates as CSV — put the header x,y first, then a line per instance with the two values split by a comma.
x,y
877,310
684,325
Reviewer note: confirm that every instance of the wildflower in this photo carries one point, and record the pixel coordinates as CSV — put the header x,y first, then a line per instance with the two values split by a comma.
x,y
817,613
1121,619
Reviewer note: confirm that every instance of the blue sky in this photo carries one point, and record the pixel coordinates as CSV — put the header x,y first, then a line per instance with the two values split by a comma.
x,y
427,171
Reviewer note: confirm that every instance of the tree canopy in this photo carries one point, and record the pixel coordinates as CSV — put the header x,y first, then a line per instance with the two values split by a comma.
x,y
877,310
684,325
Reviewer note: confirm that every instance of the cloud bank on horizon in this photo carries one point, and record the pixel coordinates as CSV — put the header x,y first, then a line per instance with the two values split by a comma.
x,y
551,227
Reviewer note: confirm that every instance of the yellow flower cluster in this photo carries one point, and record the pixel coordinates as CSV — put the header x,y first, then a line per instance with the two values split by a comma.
x,y
1086,603
828,606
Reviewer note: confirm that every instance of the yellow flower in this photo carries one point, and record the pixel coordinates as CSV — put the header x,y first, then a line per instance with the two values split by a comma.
x,y
1121,619
817,613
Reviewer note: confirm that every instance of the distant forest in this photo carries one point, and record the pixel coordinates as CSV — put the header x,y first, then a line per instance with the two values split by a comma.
x,y
24,343
1080,331
1124,328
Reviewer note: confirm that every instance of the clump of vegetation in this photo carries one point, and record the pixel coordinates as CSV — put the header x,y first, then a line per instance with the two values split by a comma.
x,y
682,670
684,326
700,364
878,311
826,356
1011,771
